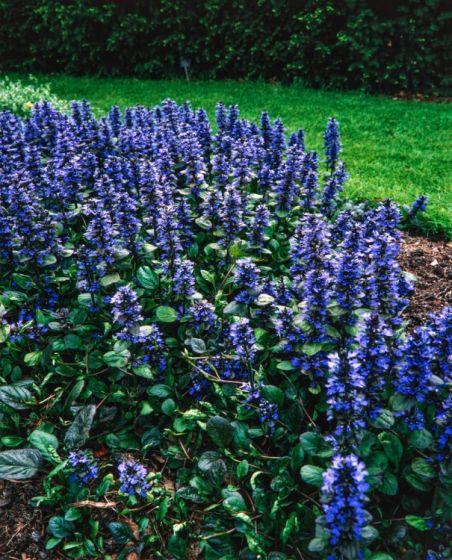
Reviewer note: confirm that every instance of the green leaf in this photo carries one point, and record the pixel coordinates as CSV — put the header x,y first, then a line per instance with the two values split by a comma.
x,y
315,445
73,342
264,299
311,348
110,279
147,278
117,360
32,358
52,543
369,534
367,443
208,276
312,475
423,468
15,396
392,447
166,314
421,439
220,430
60,527
198,345
161,391
44,442
416,482
121,532
234,503
4,333
177,547
297,455
273,394
401,402
235,308
317,545
292,526
78,433
385,420
286,365
11,441
73,514
389,485
243,468
19,464
417,522
169,407
377,461
381,556
212,464
85,299
144,371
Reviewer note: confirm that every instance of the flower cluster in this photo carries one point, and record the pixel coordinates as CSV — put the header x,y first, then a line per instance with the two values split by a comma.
x,y
177,271
132,478
84,468
266,410
343,498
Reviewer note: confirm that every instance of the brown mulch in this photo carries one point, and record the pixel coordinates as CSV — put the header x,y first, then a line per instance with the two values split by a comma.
x,y
23,528
431,262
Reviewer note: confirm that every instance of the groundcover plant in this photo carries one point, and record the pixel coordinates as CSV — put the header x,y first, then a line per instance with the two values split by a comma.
x,y
203,348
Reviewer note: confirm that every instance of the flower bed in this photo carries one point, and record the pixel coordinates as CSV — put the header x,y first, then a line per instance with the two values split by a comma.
x,y
199,321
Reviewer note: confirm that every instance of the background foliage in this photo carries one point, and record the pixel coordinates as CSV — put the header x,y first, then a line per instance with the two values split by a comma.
x,y
374,45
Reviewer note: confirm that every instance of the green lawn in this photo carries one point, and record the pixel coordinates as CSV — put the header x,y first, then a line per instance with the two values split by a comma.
x,y
396,149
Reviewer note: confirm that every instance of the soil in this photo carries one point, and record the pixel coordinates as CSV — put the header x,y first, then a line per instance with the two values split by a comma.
x,y
431,262
23,528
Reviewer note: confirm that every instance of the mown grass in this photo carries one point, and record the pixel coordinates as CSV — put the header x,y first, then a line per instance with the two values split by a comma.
x,y
397,149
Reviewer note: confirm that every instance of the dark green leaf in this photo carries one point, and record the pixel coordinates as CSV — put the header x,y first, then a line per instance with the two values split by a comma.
x,y
15,396
312,348
169,407
212,464
312,475
389,485
220,431
78,433
166,314
147,278
317,545
417,522
198,345
285,366
273,394
421,439
60,527
19,464
423,468
392,447
110,279
385,419
44,442
160,391
121,532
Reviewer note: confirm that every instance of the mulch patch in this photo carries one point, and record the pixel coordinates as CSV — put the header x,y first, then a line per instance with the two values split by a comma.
x,y
431,262
23,528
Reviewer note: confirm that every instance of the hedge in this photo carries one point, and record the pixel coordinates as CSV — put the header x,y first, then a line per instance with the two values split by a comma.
x,y
376,45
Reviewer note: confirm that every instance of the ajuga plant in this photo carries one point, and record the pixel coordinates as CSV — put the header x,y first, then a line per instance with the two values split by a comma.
x,y
203,345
